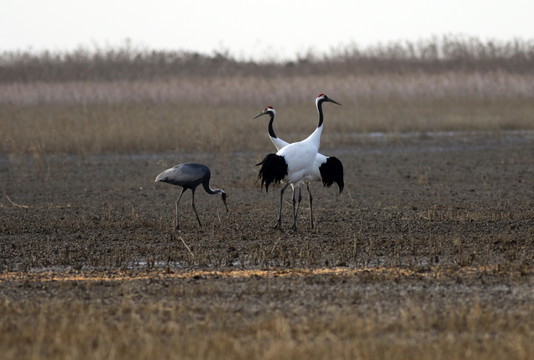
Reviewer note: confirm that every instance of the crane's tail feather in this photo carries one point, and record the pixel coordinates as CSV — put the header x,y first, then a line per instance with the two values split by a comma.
x,y
332,171
273,170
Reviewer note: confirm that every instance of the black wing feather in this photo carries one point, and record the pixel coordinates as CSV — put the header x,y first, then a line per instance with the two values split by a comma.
x,y
332,171
273,170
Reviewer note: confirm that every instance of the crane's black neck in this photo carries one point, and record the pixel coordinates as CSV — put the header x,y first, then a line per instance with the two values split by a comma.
x,y
271,130
320,110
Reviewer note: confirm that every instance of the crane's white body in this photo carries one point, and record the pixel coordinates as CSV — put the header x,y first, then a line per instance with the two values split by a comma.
x,y
315,174
300,157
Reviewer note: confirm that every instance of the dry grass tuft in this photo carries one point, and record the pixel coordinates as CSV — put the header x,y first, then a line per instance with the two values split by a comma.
x,y
160,316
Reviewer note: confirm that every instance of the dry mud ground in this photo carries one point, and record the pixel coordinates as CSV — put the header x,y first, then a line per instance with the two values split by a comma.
x,y
429,250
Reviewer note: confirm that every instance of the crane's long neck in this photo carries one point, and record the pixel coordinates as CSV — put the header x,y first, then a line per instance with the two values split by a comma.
x,y
319,105
271,130
209,190
315,137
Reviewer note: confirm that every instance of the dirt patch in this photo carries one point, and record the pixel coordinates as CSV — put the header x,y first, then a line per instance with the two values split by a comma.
x,y
417,201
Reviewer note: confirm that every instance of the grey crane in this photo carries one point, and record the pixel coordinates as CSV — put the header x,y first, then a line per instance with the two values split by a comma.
x,y
189,176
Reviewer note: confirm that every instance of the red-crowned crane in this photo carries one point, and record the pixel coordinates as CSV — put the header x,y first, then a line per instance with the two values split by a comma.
x,y
294,163
189,176
327,169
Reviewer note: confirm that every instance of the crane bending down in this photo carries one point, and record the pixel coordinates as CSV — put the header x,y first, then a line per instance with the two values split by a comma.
x,y
327,169
189,176
294,162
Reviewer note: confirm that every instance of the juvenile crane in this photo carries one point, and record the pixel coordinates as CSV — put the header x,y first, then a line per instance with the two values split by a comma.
x,y
327,169
294,162
189,176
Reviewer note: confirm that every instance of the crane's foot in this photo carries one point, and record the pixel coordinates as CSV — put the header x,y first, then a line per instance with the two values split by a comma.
x,y
294,228
278,225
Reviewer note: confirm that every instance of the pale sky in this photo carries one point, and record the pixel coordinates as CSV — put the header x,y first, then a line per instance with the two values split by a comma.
x,y
253,29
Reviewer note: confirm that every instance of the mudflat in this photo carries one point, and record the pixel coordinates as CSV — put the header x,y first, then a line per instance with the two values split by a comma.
x,y
428,250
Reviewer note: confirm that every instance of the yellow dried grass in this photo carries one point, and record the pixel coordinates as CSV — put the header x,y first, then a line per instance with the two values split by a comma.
x,y
213,114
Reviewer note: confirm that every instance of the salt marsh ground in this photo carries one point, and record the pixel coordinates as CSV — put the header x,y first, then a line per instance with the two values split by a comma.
x,y
428,252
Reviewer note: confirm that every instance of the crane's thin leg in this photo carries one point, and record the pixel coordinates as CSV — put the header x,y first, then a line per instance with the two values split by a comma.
x,y
294,202
178,201
296,213
311,205
279,222
193,203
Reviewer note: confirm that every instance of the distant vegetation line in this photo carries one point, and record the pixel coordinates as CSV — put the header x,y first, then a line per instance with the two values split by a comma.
x,y
434,55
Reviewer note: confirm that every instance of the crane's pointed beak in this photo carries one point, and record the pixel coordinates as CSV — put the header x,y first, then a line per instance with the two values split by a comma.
x,y
260,114
333,101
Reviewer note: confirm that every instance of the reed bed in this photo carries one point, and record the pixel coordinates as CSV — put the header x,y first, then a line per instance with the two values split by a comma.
x,y
254,91
132,100
130,62
211,114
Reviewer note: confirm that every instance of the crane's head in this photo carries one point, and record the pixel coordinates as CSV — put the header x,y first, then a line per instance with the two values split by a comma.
x,y
268,110
324,98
